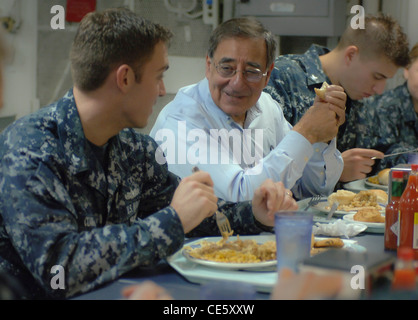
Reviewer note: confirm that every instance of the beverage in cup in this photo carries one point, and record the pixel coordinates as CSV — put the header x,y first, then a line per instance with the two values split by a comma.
x,y
293,231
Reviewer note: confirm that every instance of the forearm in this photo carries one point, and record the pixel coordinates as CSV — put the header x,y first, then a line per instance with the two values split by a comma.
x,y
93,257
47,227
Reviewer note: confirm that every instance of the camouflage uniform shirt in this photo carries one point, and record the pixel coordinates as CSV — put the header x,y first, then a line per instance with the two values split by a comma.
x,y
61,206
396,124
292,84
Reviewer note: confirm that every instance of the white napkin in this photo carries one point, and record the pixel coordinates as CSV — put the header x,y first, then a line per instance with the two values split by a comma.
x,y
338,229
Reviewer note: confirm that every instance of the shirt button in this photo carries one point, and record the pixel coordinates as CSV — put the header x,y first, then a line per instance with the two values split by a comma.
x,y
317,150
306,159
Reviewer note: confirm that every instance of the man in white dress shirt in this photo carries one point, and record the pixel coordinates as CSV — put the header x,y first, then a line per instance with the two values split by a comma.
x,y
226,125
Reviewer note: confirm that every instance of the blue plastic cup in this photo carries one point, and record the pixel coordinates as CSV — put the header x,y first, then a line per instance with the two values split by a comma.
x,y
293,231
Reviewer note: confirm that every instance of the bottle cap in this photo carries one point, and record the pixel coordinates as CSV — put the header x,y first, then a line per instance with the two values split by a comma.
x,y
405,253
414,167
397,174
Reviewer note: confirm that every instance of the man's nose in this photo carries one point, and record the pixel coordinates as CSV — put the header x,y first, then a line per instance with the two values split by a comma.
x,y
238,79
163,91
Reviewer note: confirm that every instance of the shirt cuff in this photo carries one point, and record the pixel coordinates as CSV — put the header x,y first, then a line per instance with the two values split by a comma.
x,y
297,147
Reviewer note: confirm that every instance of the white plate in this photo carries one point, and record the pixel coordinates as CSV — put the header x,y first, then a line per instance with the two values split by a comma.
x,y
375,227
373,185
363,184
317,217
263,281
226,265
324,207
355,186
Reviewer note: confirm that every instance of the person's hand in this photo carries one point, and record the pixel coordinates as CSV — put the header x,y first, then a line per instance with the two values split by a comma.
x,y
358,163
194,200
321,121
306,286
269,198
147,290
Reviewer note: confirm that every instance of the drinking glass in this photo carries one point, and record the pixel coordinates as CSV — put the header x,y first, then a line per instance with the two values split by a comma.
x,y
293,231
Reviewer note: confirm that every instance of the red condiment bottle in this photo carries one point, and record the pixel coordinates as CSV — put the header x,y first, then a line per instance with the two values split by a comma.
x,y
392,211
404,273
408,213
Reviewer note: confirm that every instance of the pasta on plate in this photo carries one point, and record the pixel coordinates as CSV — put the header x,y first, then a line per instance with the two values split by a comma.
x,y
238,251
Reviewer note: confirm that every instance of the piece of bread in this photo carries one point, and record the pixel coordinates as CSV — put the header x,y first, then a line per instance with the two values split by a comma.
x,y
329,243
381,195
321,91
343,197
369,215
383,177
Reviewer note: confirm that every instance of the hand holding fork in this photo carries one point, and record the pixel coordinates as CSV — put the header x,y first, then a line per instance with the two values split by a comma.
x,y
194,200
221,220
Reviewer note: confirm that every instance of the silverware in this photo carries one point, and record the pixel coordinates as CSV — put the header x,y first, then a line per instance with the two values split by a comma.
x,y
223,224
332,211
221,220
314,201
396,154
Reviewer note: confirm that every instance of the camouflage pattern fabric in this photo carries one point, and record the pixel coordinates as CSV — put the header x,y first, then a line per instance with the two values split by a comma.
x,y
292,84
395,126
61,206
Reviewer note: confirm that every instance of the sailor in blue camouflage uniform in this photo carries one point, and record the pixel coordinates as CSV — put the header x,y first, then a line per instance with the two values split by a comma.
x,y
292,70
361,65
81,189
395,115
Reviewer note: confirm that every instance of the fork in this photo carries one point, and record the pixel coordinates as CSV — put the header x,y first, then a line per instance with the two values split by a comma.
x,y
223,224
332,210
314,200
221,220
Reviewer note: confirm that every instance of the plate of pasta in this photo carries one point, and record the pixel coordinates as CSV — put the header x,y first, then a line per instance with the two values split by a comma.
x,y
233,253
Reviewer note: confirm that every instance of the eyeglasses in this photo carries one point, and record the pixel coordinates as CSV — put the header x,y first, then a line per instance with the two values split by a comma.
x,y
251,74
